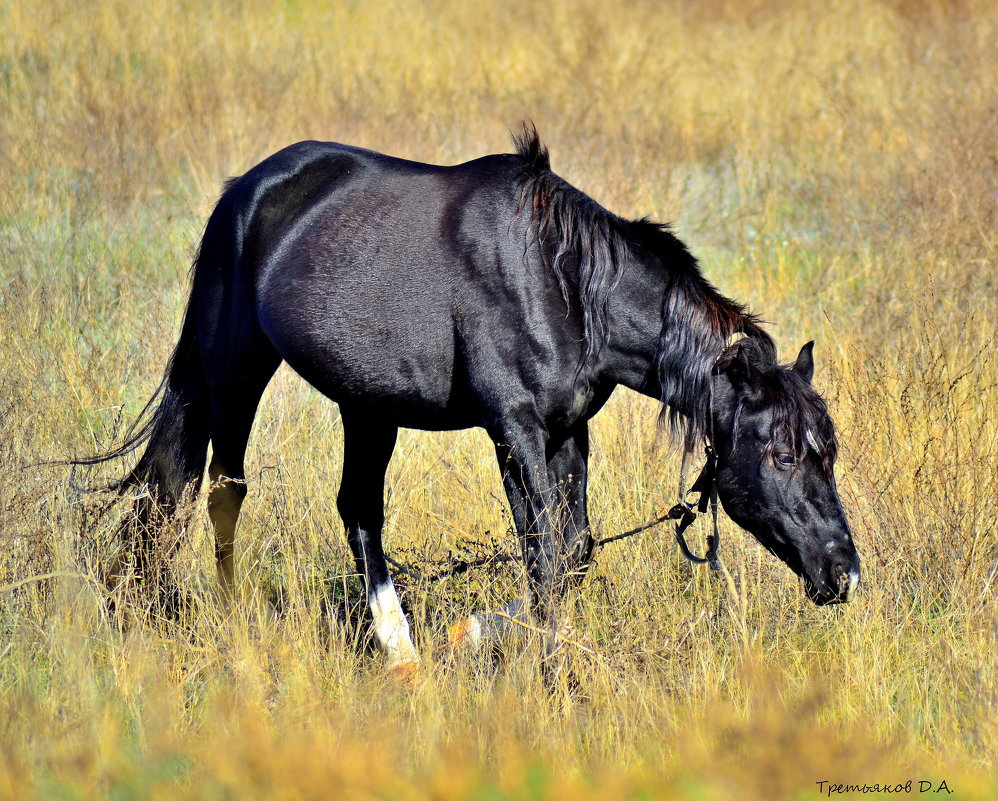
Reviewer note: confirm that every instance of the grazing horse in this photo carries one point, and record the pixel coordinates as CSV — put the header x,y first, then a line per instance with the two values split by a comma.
x,y
491,294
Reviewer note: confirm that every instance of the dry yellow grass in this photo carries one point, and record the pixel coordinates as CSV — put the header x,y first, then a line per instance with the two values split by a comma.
x,y
836,167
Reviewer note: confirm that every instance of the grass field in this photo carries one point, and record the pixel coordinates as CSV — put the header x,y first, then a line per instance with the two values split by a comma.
x,y
833,165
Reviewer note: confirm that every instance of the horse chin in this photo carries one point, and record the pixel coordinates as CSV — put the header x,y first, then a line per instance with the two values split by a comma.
x,y
826,600
819,595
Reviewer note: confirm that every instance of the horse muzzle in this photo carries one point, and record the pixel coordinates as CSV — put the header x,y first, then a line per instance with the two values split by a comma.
x,y
840,589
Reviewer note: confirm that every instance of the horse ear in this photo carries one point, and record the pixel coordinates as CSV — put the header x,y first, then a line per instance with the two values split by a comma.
x,y
804,366
736,363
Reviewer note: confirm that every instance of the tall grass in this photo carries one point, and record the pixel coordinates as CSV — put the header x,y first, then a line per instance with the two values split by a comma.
x,y
834,166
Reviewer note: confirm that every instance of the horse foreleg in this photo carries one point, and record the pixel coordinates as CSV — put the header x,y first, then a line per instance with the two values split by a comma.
x,y
567,469
568,473
534,505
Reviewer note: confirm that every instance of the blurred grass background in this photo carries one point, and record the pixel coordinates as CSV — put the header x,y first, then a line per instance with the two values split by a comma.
x,y
835,166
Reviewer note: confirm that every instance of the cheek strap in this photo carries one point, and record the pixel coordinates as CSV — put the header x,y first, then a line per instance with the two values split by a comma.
x,y
685,513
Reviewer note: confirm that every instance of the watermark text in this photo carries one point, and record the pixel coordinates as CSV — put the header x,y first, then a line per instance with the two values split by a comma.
x,y
909,787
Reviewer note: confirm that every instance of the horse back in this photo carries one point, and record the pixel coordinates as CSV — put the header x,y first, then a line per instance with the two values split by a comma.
x,y
406,286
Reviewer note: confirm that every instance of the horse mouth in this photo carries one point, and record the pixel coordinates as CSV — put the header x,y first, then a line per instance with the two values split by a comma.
x,y
827,596
828,600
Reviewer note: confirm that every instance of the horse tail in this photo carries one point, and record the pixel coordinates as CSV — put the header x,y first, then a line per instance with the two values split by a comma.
x,y
175,428
178,431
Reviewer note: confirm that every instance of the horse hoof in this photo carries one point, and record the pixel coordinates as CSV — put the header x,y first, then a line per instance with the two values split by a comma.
x,y
406,674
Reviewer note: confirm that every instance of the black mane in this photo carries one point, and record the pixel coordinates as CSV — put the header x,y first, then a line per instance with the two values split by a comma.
x,y
590,242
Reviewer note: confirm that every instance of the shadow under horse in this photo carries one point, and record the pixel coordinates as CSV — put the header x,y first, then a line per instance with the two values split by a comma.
x,y
492,294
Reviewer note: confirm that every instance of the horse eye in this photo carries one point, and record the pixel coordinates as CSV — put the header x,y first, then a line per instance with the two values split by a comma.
x,y
784,459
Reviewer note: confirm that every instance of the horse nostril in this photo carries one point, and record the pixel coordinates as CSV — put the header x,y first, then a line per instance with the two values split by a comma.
x,y
844,577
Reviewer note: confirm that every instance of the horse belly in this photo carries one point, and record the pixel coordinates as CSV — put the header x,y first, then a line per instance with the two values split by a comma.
x,y
391,353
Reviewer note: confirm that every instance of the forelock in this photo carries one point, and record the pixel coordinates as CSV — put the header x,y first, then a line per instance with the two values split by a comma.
x,y
800,416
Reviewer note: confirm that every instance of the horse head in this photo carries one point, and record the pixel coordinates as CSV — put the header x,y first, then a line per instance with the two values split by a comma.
x,y
776,448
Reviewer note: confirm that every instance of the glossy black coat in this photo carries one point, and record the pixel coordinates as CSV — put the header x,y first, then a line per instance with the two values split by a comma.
x,y
491,294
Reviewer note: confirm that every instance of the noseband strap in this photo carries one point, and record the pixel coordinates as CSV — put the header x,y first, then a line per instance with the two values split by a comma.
x,y
685,513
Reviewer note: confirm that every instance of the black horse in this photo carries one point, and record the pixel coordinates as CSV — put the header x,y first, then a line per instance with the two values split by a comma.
x,y
492,294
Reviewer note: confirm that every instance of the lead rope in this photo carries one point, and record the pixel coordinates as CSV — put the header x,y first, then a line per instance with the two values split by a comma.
x,y
714,541
683,512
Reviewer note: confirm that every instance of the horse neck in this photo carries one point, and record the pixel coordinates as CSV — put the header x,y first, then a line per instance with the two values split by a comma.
x,y
664,336
636,319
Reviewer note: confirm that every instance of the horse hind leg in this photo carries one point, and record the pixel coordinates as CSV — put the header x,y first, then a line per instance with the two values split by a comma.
x,y
234,404
228,489
367,449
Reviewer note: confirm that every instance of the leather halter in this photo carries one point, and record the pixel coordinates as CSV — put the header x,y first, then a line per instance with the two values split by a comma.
x,y
685,512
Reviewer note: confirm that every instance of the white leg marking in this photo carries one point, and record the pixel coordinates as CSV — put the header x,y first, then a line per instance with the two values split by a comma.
x,y
391,627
